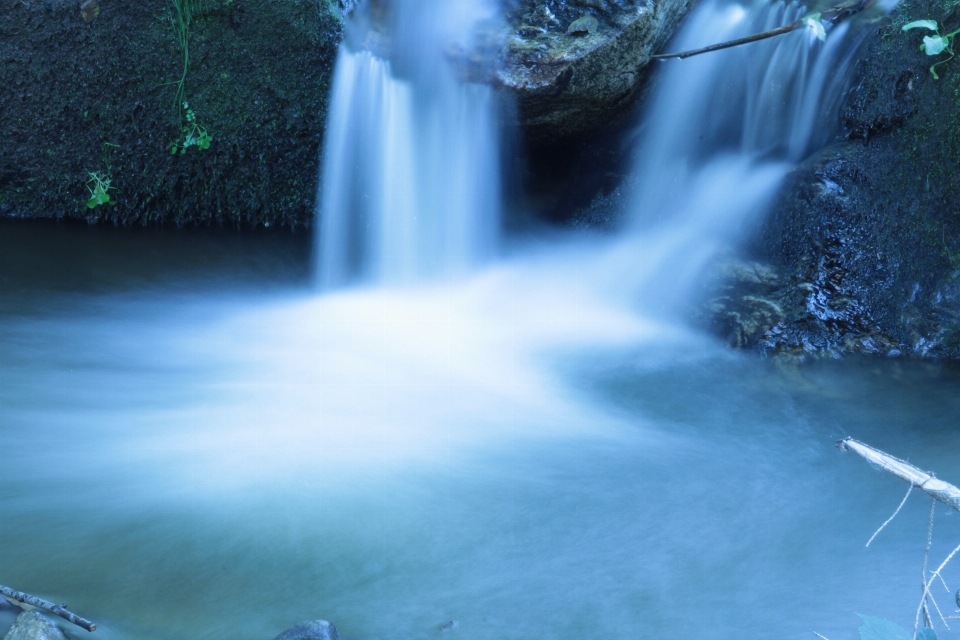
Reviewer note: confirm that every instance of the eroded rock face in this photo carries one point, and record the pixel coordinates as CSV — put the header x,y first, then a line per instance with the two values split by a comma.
x,y
31,625
865,270
575,64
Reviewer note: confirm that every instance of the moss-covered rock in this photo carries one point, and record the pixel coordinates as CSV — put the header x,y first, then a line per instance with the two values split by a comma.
x,y
101,97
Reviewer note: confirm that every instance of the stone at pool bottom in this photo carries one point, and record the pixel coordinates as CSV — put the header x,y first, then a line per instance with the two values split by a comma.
x,y
314,630
31,625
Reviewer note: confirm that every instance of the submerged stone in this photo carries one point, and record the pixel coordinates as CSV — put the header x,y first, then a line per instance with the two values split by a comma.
x,y
313,630
31,625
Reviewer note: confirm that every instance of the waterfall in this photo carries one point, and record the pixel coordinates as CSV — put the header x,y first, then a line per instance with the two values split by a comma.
x,y
720,134
410,186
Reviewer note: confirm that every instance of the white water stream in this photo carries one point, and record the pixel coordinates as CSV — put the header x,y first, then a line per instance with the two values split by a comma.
x,y
410,184
526,446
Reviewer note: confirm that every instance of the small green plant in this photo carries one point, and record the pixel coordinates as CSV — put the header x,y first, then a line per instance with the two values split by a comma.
x,y
193,134
936,44
99,187
99,183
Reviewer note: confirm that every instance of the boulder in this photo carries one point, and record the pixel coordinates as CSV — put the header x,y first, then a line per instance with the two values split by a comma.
x,y
31,625
574,65
313,630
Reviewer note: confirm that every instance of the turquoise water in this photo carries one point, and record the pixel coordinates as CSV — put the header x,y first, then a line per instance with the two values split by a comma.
x,y
194,445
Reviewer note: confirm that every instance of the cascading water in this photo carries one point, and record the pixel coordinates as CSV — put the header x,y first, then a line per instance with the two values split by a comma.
x,y
410,173
721,133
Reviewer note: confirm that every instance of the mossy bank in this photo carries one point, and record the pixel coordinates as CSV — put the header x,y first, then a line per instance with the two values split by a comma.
x,y
93,91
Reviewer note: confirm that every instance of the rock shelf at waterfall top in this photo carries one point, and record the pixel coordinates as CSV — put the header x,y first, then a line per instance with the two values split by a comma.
x,y
571,81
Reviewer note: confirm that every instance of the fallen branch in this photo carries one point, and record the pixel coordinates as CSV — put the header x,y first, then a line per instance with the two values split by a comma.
x,y
929,484
732,43
57,609
834,14
923,480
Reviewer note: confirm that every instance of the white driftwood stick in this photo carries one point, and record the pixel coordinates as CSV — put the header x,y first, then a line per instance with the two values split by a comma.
x,y
59,610
923,480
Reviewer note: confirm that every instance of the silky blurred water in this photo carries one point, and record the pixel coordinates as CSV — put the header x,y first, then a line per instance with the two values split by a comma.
x,y
194,445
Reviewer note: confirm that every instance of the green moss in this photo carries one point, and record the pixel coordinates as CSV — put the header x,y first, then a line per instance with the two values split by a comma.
x,y
259,78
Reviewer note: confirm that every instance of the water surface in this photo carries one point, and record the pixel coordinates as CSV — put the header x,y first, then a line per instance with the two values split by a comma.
x,y
194,445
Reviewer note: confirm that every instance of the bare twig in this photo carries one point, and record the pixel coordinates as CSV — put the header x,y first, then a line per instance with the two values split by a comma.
x,y
940,613
57,609
936,574
890,519
923,480
944,584
733,43
923,571
945,492
833,14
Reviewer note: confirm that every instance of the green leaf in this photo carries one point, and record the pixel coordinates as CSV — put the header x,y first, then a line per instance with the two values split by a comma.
x,y
934,45
933,72
880,629
927,634
924,24
92,203
813,21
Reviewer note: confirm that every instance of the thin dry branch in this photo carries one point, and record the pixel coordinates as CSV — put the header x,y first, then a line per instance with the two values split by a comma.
x,y
57,609
929,484
793,26
923,480
834,14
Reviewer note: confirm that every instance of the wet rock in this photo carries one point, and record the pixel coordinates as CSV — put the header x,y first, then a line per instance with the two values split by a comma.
x,y
867,233
583,26
573,65
8,615
854,262
31,625
314,630
740,303
89,10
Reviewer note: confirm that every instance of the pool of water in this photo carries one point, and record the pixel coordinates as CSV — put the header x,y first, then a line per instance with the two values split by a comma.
x,y
193,444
